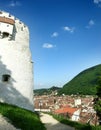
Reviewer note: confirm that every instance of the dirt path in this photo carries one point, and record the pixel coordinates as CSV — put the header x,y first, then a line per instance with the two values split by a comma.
x,y
52,124
5,124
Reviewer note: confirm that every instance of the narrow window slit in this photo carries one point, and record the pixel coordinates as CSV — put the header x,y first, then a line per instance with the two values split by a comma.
x,y
5,78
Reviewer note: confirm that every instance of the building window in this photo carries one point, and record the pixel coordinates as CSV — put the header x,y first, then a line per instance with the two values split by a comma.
x,y
5,78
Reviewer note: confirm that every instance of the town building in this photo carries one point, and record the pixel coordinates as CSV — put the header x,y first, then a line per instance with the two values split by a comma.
x,y
73,107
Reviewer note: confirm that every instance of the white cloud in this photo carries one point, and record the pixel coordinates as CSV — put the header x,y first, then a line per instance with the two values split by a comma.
x,y
97,1
90,23
48,45
69,29
14,3
55,34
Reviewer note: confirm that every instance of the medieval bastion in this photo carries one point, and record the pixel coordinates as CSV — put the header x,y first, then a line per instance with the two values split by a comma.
x,y
16,67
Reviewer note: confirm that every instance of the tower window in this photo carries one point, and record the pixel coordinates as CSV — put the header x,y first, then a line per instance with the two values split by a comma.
x,y
5,34
5,78
21,28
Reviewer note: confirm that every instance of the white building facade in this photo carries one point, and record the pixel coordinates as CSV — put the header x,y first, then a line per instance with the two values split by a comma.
x,y
16,66
76,115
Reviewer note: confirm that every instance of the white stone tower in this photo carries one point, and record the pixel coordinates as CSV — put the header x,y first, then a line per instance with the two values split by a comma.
x,y
16,69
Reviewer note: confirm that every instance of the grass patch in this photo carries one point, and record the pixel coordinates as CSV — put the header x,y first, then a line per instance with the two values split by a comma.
x,y
21,118
76,125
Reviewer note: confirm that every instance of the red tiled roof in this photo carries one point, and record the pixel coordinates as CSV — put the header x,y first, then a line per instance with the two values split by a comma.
x,y
66,110
7,20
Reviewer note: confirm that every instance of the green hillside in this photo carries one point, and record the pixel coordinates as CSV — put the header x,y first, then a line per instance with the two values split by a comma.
x,y
45,91
21,118
84,83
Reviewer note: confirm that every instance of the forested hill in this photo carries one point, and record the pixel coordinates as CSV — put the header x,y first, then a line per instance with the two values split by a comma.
x,y
45,91
84,83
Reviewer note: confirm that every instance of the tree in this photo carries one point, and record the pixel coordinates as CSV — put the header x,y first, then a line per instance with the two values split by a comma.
x,y
99,87
97,105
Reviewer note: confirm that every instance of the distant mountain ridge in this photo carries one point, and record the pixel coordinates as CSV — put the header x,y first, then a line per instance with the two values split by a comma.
x,y
84,83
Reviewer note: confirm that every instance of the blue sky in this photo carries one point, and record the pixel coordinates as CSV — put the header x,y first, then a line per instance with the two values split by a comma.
x,y
65,36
